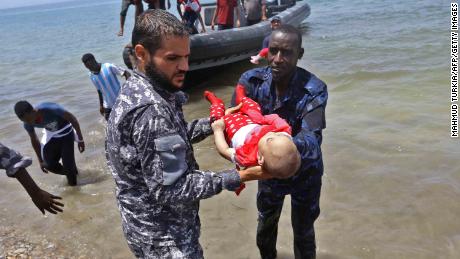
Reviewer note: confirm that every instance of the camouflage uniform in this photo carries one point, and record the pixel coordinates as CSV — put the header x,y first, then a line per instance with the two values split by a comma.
x,y
159,186
12,161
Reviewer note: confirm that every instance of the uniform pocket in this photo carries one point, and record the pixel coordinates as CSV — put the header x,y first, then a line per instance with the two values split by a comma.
x,y
172,151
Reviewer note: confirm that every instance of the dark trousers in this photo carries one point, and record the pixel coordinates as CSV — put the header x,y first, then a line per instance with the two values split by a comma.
x,y
61,148
190,18
251,22
162,5
221,27
305,196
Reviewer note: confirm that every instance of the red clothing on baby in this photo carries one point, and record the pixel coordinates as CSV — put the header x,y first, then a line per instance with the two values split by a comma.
x,y
249,113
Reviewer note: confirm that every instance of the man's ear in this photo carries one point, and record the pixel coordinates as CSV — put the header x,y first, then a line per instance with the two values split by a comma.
x,y
301,53
142,56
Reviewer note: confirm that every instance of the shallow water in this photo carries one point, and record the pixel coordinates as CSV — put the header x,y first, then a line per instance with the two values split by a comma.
x,y
391,186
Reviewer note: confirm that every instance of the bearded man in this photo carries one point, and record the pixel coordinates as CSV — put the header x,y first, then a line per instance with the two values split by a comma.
x,y
149,147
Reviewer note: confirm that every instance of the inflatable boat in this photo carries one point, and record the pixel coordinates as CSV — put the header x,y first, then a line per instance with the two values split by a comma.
x,y
215,48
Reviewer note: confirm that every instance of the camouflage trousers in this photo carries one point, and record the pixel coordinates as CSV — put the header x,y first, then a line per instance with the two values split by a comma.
x,y
147,251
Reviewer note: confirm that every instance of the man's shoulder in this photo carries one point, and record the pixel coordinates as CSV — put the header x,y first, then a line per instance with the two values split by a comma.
x,y
260,73
310,81
48,106
138,93
107,67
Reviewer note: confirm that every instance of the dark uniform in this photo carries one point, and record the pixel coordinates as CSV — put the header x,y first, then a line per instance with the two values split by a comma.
x,y
303,107
159,186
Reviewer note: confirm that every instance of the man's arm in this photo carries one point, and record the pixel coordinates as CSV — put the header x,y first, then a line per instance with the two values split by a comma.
x,y
71,118
120,71
199,129
308,140
214,17
37,148
42,199
14,164
203,28
238,16
101,103
163,153
264,10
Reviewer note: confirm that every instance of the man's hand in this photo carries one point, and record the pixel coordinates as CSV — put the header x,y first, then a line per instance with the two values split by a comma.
x,y
81,146
233,109
203,30
218,125
238,23
43,167
212,25
254,173
46,201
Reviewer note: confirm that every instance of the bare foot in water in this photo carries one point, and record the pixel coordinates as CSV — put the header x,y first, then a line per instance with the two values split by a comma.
x,y
120,33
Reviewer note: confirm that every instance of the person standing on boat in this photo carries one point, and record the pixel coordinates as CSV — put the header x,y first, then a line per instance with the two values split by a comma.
x,y
124,11
149,147
104,78
58,136
15,165
255,11
191,13
157,4
275,23
300,98
223,15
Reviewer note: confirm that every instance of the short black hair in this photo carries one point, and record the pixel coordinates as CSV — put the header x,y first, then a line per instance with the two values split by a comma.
x,y
87,57
289,29
21,108
152,26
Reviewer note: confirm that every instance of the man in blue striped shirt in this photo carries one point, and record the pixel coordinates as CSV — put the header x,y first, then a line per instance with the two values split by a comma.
x,y
104,78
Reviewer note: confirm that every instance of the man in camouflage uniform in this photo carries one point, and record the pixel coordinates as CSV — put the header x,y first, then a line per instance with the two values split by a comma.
x,y
149,147
15,165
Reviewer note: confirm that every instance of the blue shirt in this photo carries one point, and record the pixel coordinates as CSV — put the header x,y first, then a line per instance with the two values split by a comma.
x,y
52,118
107,83
303,107
266,41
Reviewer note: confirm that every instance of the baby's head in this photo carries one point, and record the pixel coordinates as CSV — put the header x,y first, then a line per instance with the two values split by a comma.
x,y
278,155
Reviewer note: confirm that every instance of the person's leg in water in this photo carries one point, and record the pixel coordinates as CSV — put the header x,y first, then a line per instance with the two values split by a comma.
x,y
52,155
304,211
68,158
269,205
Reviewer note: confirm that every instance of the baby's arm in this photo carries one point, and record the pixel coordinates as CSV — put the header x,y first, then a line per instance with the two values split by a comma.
x,y
224,150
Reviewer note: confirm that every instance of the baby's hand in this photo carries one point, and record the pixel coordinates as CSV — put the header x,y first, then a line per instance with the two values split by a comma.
x,y
218,125
233,109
